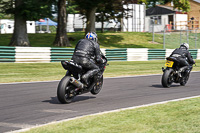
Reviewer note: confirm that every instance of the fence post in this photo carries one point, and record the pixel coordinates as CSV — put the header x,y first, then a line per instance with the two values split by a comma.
x,y
180,36
195,38
153,32
187,36
164,38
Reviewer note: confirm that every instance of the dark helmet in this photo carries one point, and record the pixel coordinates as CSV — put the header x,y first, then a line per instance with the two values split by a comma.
x,y
92,36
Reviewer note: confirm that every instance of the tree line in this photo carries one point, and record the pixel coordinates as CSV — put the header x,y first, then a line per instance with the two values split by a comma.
x,y
23,10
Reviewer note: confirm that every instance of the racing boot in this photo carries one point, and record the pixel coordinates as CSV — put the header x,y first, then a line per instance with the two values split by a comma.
x,y
89,74
182,69
179,73
85,79
187,71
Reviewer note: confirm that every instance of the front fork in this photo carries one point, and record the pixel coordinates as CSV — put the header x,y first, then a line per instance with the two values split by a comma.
x,y
163,69
68,73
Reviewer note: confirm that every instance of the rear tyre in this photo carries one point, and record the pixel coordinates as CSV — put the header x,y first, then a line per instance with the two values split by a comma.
x,y
63,91
167,78
97,88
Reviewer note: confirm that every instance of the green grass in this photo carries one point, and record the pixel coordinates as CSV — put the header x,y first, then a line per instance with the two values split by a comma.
x,y
107,40
115,40
173,117
173,40
25,72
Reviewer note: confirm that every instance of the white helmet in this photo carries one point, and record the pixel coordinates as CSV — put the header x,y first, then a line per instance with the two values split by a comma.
x,y
185,45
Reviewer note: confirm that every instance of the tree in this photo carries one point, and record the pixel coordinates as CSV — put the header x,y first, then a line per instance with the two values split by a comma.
x,y
153,3
20,36
110,10
61,34
71,7
24,10
183,5
88,8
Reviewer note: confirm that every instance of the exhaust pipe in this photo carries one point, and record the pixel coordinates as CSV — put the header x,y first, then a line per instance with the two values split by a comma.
x,y
76,82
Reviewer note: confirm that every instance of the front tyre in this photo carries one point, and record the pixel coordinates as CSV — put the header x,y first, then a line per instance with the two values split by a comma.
x,y
167,78
97,88
184,80
63,90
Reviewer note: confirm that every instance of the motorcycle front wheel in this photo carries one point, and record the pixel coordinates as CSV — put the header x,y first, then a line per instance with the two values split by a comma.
x,y
64,91
167,78
184,80
97,88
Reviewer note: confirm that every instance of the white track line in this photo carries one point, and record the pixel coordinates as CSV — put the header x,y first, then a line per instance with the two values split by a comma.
x,y
104,78
105,112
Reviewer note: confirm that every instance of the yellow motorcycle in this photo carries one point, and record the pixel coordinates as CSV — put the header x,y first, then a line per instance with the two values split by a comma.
x,y
172,73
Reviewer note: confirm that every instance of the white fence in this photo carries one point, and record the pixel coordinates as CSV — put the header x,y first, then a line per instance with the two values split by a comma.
x,y
33,54
48,54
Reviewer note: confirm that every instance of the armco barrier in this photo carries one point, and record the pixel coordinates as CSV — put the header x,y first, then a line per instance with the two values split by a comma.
x,y
7,54
32,54
194,53
116,54
168,52
137,54
58,54
156,54
48,54
198,54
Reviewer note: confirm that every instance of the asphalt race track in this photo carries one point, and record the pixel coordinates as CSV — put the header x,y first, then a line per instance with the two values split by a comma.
x,y
27,104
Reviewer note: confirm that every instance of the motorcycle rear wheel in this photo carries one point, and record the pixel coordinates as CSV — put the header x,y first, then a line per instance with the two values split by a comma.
x,y
63,91
97,88
167,78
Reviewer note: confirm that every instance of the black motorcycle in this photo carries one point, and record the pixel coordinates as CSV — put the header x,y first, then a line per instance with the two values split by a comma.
x,y
171,73
72,85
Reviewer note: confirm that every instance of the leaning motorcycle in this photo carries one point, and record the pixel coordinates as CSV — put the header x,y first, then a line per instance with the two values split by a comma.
x,y
171,74
72,84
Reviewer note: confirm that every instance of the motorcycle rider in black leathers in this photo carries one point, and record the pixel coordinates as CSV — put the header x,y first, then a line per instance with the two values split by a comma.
x,y
184,57
86,52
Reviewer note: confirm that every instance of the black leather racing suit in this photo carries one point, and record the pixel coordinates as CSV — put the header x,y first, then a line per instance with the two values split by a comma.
x,y
86,51
184,56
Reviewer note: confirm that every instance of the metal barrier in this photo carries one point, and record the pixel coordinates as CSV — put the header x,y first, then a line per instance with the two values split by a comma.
x,y
194,53
48,54
32,54
137,54
58,54
7,54
116,54
156,54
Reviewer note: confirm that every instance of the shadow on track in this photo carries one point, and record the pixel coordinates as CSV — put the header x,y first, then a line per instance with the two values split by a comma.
x,y
54,100
160,86
82,98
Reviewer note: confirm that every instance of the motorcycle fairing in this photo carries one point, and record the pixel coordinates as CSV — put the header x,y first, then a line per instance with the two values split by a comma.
x,y
71,66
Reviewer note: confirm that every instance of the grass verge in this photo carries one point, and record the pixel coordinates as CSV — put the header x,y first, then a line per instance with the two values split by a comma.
x,y
173,117
116,40
26,72
107,40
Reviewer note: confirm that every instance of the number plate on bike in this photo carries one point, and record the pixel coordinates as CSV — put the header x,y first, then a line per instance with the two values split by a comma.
x,y
169,63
